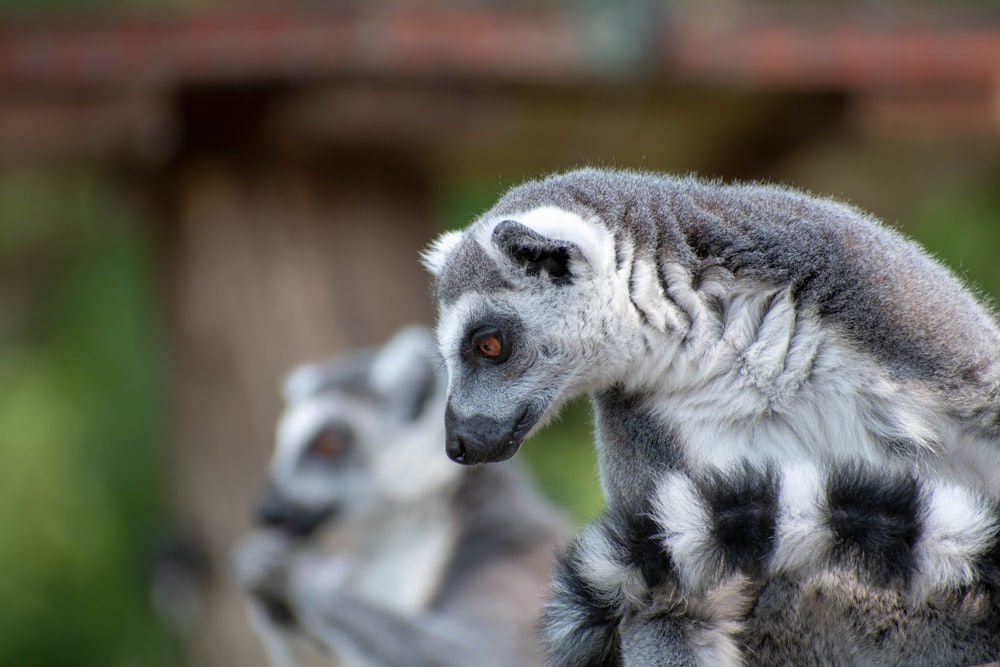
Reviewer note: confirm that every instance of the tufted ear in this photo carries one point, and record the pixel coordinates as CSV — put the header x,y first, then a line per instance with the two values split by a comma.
x,y
436,253
344,373
536,252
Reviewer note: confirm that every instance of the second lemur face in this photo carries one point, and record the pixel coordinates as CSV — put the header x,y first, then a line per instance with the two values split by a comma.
x,y
530,316
359,434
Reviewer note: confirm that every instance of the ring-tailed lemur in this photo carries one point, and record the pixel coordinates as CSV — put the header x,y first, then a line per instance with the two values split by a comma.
x,y
797,416
374,545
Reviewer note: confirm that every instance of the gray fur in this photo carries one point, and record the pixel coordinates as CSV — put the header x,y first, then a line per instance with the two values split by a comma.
x,y
719,326
474,270
883,625
419,563
653,449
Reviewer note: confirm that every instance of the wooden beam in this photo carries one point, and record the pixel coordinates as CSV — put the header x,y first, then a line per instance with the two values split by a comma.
x,y
849,52
818,49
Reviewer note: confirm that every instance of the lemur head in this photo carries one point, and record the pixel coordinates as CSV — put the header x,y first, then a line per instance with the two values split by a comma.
x,y
530,315
358,433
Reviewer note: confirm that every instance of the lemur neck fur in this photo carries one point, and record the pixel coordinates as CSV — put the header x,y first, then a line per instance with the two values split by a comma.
x,y
743,373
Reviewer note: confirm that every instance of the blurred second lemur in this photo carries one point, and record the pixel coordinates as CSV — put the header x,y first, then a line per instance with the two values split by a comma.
x,y
373,547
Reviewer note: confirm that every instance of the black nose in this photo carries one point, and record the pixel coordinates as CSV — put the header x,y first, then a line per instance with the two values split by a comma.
x,y
277,610
481,439
275,511
456,442
272,510
455,448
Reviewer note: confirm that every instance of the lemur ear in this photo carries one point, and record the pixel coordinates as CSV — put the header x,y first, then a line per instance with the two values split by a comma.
x,y
436,253
535,252
344,373
406,372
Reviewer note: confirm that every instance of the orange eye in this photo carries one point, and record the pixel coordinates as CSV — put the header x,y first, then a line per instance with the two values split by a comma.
x,y
327,445
490,347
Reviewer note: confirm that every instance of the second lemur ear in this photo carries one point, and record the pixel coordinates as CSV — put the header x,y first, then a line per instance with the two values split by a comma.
x,y
407,373
345,373
535,252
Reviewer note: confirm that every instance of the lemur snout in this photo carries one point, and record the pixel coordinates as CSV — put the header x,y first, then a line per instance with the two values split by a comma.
x,y
274,511
481,439
456,449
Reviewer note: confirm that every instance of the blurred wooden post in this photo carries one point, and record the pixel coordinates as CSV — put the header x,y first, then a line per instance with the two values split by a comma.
x,y
267,265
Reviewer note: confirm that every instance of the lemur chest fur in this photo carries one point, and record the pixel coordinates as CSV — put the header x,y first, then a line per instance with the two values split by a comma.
x,y
761,380
404,562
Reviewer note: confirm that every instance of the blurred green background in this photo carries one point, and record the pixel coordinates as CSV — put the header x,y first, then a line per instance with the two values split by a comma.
x,y
80,423
84,356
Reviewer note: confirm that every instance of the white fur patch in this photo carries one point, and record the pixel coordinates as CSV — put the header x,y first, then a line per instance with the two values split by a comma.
x,y
958,527
649,298
404,562
802,538
296,426
403,359
703,328
601,568
593,239
451,325
303,381
411,463
764,358
778,386
435,256
679,510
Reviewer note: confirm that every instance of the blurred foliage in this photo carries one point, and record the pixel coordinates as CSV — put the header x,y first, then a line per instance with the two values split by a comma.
x,y
79,424
962,228
564,461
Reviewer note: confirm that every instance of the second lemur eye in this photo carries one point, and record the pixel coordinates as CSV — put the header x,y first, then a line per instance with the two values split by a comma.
x,y
330,443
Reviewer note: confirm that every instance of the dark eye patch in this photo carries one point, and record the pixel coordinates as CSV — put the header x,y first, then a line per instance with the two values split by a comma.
x,y
491,338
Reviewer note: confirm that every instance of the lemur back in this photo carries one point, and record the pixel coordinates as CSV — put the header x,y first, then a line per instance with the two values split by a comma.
x,y
377,549
720,329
